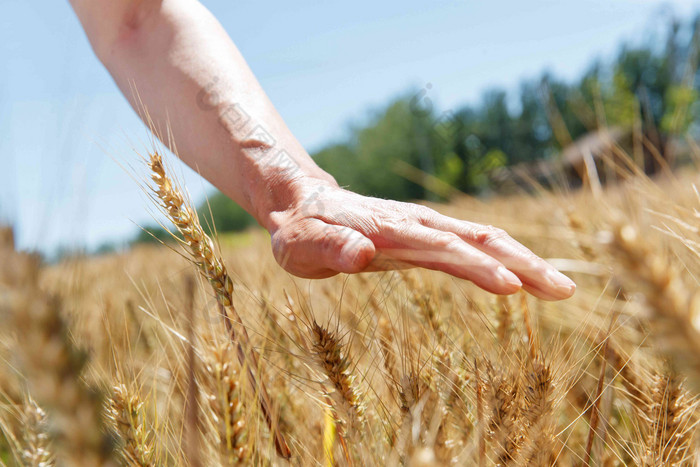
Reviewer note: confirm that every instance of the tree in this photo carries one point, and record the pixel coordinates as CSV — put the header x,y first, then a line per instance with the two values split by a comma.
x,y
223,214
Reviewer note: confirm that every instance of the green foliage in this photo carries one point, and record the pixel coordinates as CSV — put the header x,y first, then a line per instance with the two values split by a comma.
x,y
220,213
152,234
621,104
678,116
366,163
450,169
339,160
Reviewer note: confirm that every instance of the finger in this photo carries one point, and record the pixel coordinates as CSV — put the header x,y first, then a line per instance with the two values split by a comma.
x,y
313,249
422,246
383,262
539,277
540,293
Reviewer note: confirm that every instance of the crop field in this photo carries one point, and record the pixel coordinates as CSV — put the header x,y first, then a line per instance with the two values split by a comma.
x,y
205,352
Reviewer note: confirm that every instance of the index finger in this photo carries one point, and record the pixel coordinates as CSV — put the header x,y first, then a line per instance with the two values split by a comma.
x,y
421,246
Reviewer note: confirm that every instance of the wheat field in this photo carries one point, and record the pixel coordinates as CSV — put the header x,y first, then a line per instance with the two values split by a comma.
x,y
205,352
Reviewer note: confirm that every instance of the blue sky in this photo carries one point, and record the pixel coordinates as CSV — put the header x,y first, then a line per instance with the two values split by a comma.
x,y
325,65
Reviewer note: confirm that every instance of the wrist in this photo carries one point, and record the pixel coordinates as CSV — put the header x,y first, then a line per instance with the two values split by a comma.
x,y
281,184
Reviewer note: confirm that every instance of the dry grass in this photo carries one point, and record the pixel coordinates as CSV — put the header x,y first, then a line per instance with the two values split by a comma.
x,y
111,360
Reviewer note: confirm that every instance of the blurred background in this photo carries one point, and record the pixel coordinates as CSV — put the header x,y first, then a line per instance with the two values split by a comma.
x,y
402,100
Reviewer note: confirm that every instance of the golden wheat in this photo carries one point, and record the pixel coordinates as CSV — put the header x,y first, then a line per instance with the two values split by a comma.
x,y
410,368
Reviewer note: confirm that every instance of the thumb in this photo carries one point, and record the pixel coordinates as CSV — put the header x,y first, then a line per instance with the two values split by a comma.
x,y
311,248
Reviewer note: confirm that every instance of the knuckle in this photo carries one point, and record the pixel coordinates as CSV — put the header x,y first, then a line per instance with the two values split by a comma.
x,y
396,224
488,233
424,214
445,240
373,224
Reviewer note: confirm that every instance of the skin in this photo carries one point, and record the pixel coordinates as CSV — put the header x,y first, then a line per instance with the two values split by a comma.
x,y
173,58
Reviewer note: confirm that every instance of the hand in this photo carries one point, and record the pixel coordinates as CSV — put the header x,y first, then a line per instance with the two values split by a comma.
x,y
331,230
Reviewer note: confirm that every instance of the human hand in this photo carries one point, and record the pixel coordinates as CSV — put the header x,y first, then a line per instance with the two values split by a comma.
x,y
329,230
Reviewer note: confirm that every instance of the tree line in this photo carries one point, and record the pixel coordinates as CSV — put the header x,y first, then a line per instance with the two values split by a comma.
x,y
409,150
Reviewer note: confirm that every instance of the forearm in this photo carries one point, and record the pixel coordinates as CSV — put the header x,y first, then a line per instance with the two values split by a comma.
x,y
173,60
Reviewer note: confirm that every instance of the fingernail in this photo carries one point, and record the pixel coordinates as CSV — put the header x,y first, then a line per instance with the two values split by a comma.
x,y
560,281
508,277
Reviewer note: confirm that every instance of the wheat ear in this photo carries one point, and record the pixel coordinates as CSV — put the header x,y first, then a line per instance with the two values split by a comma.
x,y
127,416
227,407
336,366
503,397
36,446
670,429
210,265
538,409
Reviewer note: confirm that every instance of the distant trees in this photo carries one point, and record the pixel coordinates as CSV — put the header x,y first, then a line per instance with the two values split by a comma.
x,y
367,162
217,213
652,87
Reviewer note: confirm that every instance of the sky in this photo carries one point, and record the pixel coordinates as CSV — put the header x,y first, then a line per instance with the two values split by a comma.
x,y
67,134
